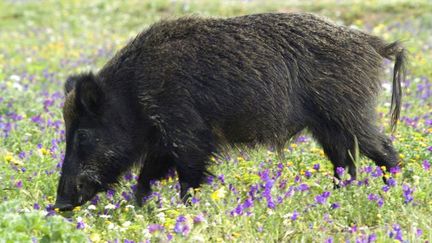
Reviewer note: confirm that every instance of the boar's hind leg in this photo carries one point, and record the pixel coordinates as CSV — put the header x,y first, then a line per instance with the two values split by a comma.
x,y
336,144
153,168
191,167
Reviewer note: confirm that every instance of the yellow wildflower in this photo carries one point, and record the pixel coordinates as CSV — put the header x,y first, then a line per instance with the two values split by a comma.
x,y
76,209
8,158
95,237
293,145
169,223
44,151
218,194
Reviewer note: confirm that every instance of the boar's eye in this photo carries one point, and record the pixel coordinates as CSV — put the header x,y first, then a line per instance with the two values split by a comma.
x,y
82,136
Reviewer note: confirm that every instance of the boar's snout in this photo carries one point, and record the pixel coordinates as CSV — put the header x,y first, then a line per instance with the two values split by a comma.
x,y
74,191
66,193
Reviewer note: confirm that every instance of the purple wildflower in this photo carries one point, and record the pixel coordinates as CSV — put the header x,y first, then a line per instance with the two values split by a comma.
x,y
181,226
221,178
419,232
385,188
378,172
155,227
340,171
237,211
282,184
396,233
391,182
329,240
303,187
19,184
376,198
198,219
368,169
126,196
50,209
95,200
426,165
395,170
301,139
372,238
280,166
290,192
22,155
308,174
80,225
210,180
294,215
264,175
372,197
316,167
407,193
322,198
380,202
36,206
248,203
110,193
195,200
267,189
335,205
128,176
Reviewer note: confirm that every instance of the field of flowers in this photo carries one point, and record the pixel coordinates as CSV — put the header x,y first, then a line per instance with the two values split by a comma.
x,y
254,196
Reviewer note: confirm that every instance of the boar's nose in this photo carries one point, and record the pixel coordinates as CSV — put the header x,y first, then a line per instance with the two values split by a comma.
x,y
63,206
66,194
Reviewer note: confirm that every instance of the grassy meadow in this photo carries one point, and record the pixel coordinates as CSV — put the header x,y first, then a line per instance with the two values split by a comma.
x,y
254,196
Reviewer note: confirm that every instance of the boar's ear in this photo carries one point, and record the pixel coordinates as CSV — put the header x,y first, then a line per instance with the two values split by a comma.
x,y
89,94
70,83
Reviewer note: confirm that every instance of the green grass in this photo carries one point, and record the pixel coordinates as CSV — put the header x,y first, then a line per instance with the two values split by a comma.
x,y
41,42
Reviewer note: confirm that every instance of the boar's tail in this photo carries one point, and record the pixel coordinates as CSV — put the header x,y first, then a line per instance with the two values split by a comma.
x,y
398,53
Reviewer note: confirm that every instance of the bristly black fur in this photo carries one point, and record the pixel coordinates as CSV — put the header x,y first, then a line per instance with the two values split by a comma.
x,y
184,88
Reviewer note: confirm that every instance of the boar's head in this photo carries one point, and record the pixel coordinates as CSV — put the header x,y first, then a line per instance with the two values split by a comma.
x,y
101,139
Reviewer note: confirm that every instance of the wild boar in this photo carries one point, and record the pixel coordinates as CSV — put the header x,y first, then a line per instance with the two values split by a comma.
x,y
184,88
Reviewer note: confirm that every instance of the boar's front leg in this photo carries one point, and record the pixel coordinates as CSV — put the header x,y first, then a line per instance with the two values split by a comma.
x,y
191,144
155,167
